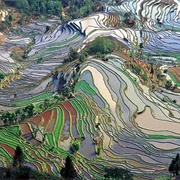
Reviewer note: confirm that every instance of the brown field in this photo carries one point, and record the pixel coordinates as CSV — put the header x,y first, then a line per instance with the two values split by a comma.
x,y
2,38
176,72
9,149
52,122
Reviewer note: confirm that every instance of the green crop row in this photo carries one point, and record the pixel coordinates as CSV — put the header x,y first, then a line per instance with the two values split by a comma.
x,y
47,95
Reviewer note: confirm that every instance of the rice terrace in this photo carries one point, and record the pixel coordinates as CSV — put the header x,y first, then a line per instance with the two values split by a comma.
x,y
97,82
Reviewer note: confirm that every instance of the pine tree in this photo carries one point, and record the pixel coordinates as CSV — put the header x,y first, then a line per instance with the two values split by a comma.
x,y
18,158
68,172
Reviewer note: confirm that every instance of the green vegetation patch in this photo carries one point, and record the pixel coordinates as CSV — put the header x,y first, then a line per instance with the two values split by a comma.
x,y
80,128
51,140
47,95
175,80
156,136
14,129
59,123
2,75
54,45
84,86
6,154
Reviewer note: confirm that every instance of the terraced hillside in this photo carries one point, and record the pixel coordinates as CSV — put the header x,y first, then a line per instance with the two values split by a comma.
x,y
118,121
135,127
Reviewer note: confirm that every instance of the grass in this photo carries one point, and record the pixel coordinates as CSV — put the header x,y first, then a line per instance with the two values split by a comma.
x,y
156,136
39,54
59,124
6,154
78,110
41,97
84,86
167,27
14,129
167,54
175,80
51,140
80,128
54,46
63,42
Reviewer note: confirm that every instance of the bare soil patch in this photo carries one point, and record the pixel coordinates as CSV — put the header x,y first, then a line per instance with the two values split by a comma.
x,y
176,72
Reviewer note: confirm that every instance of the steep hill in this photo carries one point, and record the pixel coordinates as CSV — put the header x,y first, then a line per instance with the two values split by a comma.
x,y
123,112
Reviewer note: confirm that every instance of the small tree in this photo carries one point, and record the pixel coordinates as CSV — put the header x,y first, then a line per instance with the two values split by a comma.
x,y
18,159
66,91
10,18
168,84
175,166
82,58
118,173
75,146
68,172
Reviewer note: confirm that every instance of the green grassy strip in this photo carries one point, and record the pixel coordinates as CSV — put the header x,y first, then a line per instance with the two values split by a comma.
x,y
58,150
51,140
6,154
91,32
84,86
161,53
63,42
83,108
129,77
9,137
175,80
62,152
14,130
59,123
78,110
156,136
167,27
47,95
80,128
89,128
83,105
39,54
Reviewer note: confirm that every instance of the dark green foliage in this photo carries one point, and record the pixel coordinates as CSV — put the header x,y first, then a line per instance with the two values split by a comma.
x,y
168,84
46,104
68,172
9,117
10,18
152,69
22,6
75,146
25,173
118,173
102,45
144,76
75,9
165,71
66,91
82,58
73,55
141,45
2,75
18,159
174,167
29,110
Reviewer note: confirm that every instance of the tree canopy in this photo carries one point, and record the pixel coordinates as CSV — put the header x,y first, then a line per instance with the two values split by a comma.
x,y
102,45
74,8
18,159
2,75
174,167
69,172
118,173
